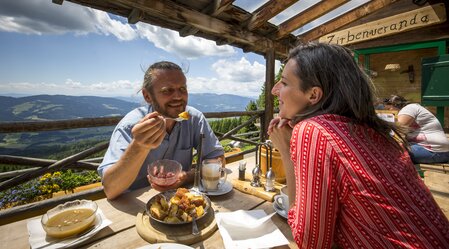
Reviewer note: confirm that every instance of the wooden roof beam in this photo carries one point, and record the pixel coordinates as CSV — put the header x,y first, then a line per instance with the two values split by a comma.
x,y
224,42
218,6
134,16
307,16
267,11
213,9
169,10
344,19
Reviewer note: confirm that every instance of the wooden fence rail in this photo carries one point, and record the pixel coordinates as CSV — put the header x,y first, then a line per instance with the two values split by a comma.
x,y
33,126
32,164
78,161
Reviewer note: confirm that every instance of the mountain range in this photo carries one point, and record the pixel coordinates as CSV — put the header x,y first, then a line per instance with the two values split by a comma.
x,y
57,107
60,107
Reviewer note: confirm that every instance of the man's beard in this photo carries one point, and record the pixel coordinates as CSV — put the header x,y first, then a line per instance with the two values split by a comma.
x,y
163,109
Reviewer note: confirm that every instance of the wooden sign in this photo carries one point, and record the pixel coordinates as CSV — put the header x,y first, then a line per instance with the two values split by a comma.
x,y
407,21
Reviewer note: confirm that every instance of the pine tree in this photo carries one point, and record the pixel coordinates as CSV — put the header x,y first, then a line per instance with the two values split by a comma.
x,y
261,100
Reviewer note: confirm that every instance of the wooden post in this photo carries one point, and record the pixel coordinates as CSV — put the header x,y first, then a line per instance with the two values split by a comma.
x,y
269,99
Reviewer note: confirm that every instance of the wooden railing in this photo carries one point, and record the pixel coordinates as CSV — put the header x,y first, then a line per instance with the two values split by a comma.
x,y
39,166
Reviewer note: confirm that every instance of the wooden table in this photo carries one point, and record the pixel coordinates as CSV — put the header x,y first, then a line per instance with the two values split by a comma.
x,y
123,211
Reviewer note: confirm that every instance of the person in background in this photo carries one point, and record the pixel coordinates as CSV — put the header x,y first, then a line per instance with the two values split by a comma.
x,y
351,184
428,142
146,134
379,104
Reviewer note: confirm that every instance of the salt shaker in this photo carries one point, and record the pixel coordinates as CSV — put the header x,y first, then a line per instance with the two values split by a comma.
x,y
269,184
256,176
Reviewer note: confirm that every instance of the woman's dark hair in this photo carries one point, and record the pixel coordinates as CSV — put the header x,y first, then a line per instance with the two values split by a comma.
x,y
347,90
397,101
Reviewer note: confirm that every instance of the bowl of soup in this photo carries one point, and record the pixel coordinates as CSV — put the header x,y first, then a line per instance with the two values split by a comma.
x,y
70,218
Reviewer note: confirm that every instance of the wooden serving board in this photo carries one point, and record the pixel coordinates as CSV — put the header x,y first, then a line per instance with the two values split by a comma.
x,y
155,232
245,186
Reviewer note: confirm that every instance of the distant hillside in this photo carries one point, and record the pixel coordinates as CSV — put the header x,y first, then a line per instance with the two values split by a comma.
x,y
54,107
209,102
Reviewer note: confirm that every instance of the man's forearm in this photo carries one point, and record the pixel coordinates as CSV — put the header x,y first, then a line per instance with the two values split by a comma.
x,y
122,174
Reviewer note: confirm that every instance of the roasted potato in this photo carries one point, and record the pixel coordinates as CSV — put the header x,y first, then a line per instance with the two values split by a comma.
x,y
157,211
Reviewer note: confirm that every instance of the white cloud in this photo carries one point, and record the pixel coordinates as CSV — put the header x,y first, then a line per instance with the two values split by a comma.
x,y
238,77
241,70
40,17
71,87
106,25
189,47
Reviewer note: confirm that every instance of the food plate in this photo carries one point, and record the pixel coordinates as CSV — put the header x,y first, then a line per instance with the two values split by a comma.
x,y
166,246
280,211
226,188
168,195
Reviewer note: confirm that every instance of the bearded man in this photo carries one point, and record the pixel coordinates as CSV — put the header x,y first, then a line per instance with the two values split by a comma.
x,y
150,133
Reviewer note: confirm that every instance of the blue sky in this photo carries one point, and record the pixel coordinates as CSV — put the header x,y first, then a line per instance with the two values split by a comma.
x,y
74,50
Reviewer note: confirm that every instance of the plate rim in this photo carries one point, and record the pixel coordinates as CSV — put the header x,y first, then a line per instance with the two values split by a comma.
x,y
217,192
280,211
165,244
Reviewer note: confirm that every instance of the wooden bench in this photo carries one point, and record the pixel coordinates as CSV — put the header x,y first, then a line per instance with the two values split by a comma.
x,y
436,167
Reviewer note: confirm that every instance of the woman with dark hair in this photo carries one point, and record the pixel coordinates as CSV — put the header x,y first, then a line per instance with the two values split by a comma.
x,y
428,142
351,184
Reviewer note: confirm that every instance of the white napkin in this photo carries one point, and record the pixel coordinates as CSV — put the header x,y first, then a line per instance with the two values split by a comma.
x,y
38,238
260,233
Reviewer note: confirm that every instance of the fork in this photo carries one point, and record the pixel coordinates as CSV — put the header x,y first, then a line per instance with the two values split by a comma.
x,y
178,119
195,230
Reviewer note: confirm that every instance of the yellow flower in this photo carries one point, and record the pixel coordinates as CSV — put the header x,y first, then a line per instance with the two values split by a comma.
x,y
57,174
55,187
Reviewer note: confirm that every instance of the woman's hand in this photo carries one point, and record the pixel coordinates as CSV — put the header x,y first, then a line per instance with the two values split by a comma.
x,y
279,122
280,132
181,179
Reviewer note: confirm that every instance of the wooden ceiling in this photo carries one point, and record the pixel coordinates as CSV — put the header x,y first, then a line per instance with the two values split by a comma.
x,y
225,23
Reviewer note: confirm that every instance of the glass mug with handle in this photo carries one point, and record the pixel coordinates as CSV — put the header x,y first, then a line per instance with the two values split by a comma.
x,y
213,175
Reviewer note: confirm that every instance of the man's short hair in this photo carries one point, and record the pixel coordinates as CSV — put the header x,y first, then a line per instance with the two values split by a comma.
x,y
164,65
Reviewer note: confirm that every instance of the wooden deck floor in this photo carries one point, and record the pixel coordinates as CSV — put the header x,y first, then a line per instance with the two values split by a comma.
x,y
438,184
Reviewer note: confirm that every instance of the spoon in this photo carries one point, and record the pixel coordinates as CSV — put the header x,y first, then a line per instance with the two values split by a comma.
x,y
181,117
